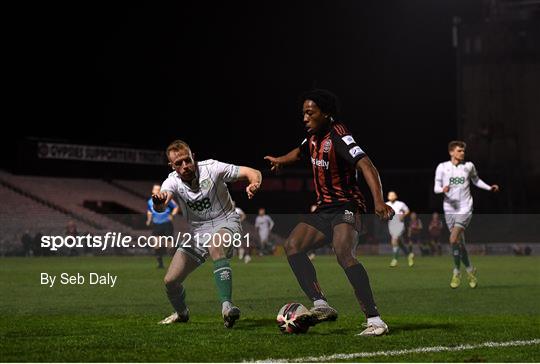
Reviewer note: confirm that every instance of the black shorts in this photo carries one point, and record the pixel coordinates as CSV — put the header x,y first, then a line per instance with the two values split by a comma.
x,y
325,218
165,229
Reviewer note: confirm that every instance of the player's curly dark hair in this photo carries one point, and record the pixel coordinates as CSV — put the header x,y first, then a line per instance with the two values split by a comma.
x,y
325,100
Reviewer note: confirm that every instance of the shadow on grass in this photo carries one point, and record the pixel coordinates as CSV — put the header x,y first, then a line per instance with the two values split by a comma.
x,y
252,324
256,324
414,326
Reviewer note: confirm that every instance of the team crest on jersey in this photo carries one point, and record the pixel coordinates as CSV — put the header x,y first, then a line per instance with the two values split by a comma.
x,y
327,145
206,184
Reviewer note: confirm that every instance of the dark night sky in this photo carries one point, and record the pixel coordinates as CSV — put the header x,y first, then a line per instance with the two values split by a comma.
x,y
226,78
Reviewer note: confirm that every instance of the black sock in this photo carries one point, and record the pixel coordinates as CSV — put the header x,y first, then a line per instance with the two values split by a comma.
x,y
305,274
177,296
159,260
360,281
404,248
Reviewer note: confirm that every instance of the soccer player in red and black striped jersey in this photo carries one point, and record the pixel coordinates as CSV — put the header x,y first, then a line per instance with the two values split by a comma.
x,y
335,158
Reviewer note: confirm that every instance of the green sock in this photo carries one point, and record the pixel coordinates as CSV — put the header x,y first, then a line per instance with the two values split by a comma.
x,y
395,250
223,277
457,256
464,254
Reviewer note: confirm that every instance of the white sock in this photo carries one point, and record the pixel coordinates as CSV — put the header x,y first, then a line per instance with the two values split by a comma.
x,y
470,269
226,306
375,320
395,249
318,303
456,271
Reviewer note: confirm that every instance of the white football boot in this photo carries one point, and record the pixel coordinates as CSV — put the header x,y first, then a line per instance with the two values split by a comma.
x,y
374,328
176,317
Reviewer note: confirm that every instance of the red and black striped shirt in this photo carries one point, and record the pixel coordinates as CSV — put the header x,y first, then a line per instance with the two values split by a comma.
x,y
333,156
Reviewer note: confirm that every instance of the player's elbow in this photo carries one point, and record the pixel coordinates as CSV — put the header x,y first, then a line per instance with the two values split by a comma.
x,y
365,166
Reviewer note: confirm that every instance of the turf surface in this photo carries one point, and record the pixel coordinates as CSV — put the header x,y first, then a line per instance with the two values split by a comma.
x,y
84,323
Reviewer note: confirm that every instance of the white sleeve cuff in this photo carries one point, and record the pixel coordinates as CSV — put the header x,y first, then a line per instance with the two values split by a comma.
x,y
483,185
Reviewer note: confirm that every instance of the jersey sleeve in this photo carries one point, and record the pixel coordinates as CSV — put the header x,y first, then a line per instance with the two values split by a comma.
x,y
438,186
226,172
405,208
476,180
169,185
270,222
347,148
172,205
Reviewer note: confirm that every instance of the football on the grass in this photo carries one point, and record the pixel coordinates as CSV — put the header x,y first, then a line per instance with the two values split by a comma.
x,y
293,318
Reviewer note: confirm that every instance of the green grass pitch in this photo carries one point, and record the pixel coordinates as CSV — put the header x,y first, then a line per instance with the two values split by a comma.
x,y
92,323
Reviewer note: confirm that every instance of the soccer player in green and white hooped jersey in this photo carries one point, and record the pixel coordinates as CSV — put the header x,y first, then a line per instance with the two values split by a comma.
x,y
201,190
453,179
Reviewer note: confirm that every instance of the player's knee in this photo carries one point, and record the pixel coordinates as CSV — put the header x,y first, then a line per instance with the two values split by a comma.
x,y
170,281
347,261
345,258
292,246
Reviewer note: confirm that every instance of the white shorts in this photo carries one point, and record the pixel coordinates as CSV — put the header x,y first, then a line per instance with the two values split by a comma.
x,y
264,235
396,229
196,244
461,220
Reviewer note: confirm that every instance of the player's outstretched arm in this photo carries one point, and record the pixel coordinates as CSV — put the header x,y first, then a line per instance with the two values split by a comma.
x,y
161,200
278,162
254,178
371,175
481,184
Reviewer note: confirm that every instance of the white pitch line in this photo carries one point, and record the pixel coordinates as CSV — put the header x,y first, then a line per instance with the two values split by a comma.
x,y
429,349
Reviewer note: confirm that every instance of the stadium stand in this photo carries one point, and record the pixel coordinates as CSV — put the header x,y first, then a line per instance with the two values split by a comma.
x,y
20,213
70,194
46,204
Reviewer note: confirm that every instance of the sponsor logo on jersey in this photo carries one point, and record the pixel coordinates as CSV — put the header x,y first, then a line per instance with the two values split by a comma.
x,y
327,146
355,151
457,180
348,217
320,163
348,139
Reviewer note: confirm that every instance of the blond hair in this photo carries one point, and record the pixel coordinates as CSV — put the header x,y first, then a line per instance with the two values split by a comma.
x,y
177,146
